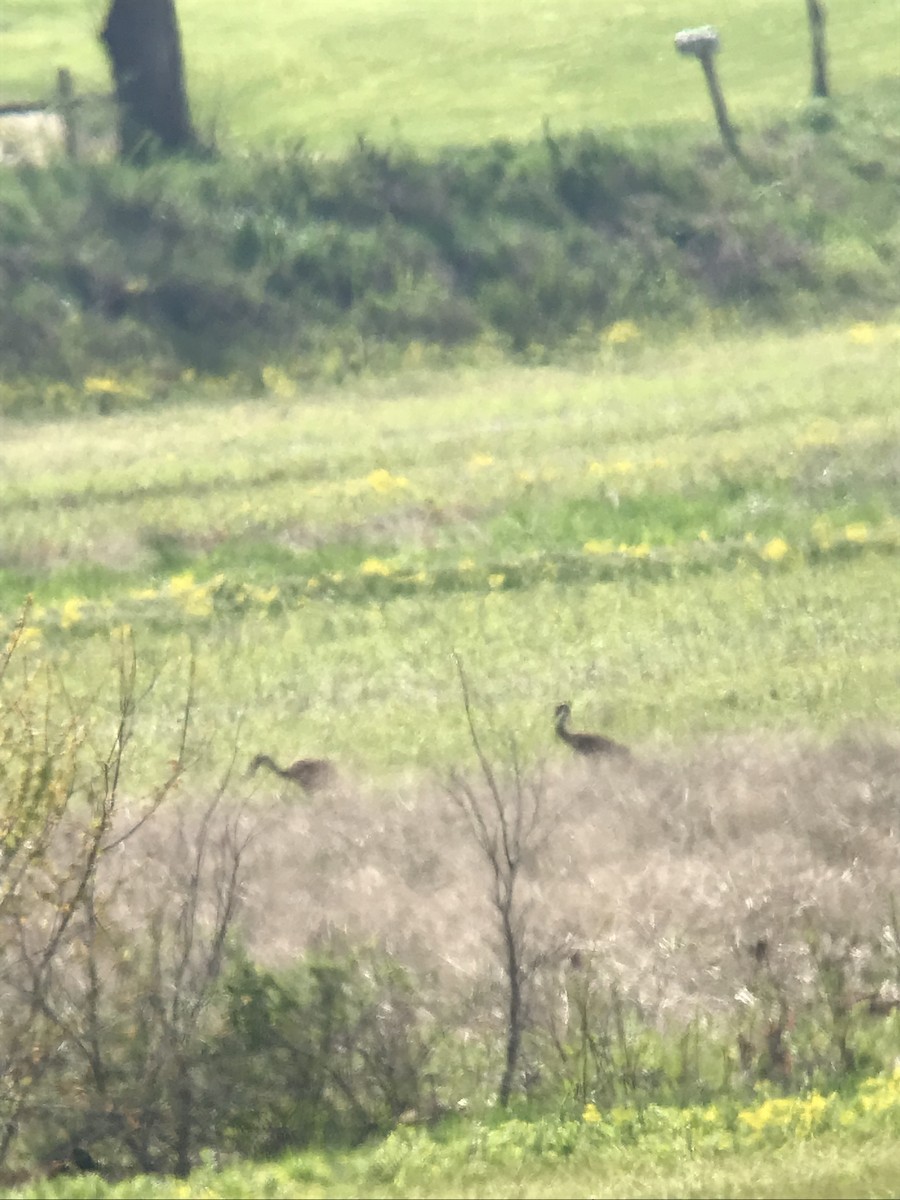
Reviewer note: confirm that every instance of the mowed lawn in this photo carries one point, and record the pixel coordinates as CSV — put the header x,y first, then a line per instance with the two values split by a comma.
x,y
433,74
679,540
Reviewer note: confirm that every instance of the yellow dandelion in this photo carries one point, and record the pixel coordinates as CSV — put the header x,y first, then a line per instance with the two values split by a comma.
x,y
376,566
593,546
467,564
596,468
479,461
312,584
497,580
623,467
196,603
182,584
858,531
72,612
863,333
101,386
775,550
641,550
526,476
703,535
143,593
420,577
382,481
590,1115
620,333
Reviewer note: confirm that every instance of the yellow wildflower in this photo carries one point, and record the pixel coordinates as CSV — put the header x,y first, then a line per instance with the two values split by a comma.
x,y
593,546
467,564
858,531
775,550
101,386
703,535
590,1115
479,461
375,566
863,333
496,581
196,603
180,585
620,333
381,480
71,612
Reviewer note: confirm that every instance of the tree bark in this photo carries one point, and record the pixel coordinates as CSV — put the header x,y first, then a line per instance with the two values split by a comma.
x,y
143,43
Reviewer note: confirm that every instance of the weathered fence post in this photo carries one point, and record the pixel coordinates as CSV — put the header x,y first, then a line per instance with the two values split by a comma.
x,y
703,43
66,106
816,12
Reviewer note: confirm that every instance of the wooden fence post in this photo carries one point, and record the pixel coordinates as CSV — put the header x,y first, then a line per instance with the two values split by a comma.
x,y
66,106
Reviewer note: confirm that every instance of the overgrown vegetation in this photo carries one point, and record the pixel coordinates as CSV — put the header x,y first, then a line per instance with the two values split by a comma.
x,y
328,267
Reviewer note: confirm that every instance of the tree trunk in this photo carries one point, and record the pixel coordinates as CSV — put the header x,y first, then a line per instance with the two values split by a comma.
x,y
144,47
816,12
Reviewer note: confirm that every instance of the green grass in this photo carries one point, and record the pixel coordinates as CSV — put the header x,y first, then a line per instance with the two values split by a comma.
x,y
677,546
805,1147
435,74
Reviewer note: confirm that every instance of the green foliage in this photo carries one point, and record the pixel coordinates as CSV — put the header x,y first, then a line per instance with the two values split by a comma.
x,y
324,1053
218,267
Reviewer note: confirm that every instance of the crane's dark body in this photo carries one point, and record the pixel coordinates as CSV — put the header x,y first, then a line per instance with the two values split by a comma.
x,y
308,773
586,743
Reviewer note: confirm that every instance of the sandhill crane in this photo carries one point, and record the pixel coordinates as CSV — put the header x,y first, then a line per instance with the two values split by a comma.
x,y
308,773
585,743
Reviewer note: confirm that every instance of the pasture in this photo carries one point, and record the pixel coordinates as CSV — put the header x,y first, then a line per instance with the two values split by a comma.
x,y
678,546
433,75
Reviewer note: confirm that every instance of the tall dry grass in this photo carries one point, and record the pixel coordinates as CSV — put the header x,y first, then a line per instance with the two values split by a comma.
x,y
666,873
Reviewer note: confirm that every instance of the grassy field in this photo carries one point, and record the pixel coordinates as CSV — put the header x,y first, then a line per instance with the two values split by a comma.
x,y
677,546
434,75
817,1147
694,539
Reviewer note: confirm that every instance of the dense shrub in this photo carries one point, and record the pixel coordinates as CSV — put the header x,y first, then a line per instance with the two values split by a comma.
x,y
221,266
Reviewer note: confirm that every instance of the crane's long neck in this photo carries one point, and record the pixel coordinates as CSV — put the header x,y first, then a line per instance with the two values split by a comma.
x,y
562,731
263,760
